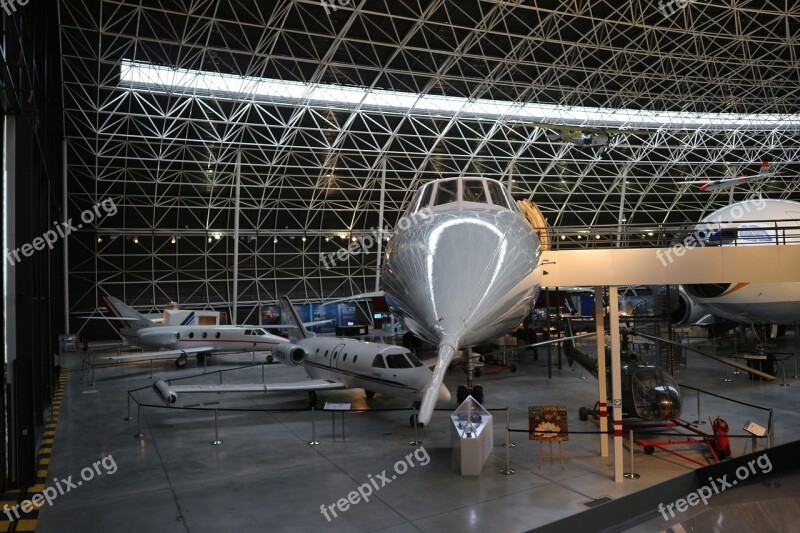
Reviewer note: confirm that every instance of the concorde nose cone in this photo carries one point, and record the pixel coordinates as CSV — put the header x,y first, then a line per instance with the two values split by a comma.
x,y
462,274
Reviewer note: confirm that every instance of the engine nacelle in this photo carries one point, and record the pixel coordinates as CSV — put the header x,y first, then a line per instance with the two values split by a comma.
x,y
168,395
687,313
289,354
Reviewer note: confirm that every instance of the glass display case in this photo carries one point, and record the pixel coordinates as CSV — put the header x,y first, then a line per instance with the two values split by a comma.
x,y
471,436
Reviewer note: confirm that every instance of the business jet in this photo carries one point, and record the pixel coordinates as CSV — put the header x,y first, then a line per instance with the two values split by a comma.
x,y
742,224
331,363
464,273
181,340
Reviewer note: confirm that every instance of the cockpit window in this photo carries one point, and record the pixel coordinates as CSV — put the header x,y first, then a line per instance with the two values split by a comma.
x,y
413,358
496,192
446,192
474,191
397,360
378,362
421,199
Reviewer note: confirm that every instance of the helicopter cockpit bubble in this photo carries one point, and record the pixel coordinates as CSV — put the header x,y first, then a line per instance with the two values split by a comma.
x,y
655,394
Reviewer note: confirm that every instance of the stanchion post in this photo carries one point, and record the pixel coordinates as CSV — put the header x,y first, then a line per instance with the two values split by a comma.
x,y
344,438
128,418
699,420
508,471
216,441
416,441
727,377
508,425
139,416
333,424
783,371
631,474
314,441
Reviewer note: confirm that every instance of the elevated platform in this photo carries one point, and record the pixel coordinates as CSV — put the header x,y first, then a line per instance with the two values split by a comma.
x,y
589,267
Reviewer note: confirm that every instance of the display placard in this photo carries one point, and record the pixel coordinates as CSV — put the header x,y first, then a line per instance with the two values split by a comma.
x,y
545,420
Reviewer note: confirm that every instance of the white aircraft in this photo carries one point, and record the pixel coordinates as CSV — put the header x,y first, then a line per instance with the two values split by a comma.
x,y
465,272
743,224
710,185
172,340
331,363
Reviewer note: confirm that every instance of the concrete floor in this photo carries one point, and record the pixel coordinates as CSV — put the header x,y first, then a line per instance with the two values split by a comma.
x,y
264,475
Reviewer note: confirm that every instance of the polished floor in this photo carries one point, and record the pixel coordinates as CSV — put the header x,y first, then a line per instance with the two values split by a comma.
x,y
265,476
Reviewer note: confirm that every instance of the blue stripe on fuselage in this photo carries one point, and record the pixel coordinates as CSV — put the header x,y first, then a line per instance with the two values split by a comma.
x,y
188,320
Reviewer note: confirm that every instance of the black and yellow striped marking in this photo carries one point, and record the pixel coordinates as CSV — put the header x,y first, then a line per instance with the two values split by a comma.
x,y
27,520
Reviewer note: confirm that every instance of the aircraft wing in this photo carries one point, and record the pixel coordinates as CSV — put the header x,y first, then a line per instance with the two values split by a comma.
x,y
169,393
363,296
161,354
305,324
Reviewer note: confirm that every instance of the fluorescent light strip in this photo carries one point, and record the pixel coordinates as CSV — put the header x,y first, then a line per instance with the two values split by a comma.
x,y
156,78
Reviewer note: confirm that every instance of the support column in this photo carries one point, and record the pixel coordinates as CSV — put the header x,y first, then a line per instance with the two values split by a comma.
x,y
235,298
616,381
380,228
602,393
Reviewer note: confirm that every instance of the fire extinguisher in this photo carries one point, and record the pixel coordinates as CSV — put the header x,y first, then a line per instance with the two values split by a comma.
x,y
723,442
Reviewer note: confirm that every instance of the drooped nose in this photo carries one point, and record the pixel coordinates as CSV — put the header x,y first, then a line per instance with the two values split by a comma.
x,y
462,274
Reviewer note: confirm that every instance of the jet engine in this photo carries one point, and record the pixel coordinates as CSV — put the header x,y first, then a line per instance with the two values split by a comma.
x,y
289,354
685,312
168,395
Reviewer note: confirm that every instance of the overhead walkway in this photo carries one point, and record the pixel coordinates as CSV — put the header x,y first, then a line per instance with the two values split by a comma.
x,y
588,267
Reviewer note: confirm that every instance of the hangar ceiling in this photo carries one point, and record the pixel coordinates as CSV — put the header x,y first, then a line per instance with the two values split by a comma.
x,y
727,77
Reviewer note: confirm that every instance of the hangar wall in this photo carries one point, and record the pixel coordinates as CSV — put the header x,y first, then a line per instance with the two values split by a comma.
x,y
33,318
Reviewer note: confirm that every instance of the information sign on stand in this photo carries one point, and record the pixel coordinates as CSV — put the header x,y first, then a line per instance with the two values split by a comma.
x,y
548,423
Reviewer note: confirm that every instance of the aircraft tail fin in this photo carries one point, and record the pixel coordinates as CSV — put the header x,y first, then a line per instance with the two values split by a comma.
x,y
296,328
126,315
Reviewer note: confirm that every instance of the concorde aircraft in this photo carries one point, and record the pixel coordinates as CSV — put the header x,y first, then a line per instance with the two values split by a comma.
x,y
466,272
331,363
743,224
178,340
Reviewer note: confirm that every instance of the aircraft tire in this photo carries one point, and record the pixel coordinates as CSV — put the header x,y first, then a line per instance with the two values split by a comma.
x,y
181,361
583,414
461,394
369,393
477,393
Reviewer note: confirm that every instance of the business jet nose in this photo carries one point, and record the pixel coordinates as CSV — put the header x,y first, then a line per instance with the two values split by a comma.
x,y
462,274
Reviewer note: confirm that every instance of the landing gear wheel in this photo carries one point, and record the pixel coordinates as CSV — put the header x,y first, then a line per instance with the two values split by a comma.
x,y
201,358
583,414
369,393
270,359
312,398
477,393
181,361
461,394
476,372
648,450
513,368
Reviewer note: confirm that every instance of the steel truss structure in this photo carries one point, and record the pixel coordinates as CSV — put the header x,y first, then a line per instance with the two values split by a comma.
x,y
310,172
